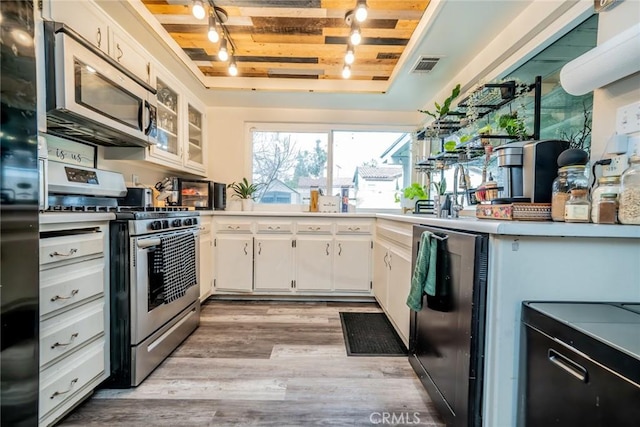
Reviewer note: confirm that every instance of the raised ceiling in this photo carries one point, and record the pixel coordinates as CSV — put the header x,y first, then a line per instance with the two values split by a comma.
x,y
295,39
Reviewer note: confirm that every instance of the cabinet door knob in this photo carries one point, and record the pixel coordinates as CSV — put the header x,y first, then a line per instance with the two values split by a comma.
x,y
63,344
56,253
71,384
73,294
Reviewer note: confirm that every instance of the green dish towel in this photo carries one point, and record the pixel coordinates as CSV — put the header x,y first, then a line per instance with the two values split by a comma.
x,y
424,274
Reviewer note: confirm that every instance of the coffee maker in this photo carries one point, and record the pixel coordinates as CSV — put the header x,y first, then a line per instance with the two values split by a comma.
x,y
530,168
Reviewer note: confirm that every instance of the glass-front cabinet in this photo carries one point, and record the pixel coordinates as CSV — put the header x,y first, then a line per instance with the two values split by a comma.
x,y
195,150
168,119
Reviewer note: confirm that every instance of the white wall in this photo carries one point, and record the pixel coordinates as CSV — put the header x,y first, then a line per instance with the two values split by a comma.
x,y
607,99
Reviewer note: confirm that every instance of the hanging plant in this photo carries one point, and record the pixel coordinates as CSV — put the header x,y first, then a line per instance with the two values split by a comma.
x,y
442,110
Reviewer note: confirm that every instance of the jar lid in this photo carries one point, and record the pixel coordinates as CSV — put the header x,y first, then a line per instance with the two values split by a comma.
x,y
608,196
573,156
609,179
572,167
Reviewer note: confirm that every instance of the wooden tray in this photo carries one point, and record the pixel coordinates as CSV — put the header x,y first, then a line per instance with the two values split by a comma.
x,y
515,212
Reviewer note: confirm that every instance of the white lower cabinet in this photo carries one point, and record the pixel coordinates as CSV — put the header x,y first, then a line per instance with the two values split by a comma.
x,y
273,262
205,260
352,263
74,315
234,262
293,255
314,263
392,273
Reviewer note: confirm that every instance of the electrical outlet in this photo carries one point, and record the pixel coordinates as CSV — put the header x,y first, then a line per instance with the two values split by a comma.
x,y
135,180
628,118
617,166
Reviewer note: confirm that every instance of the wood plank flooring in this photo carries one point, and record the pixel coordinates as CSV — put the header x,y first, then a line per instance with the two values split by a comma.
x,y
267,363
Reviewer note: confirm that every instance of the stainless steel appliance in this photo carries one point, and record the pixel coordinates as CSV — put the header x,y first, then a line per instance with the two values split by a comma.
x,y
90,97
219,196
19,275
137,196
154,297
531,167
593,350
195,193
446,338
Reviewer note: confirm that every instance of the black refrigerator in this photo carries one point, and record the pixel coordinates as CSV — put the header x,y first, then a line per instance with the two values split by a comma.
x,y
19,351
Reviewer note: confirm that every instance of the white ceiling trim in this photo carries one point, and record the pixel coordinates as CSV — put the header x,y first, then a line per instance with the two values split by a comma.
x,y
296,85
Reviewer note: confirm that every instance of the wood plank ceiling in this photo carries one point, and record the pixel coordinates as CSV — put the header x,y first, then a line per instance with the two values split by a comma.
x,y
295,39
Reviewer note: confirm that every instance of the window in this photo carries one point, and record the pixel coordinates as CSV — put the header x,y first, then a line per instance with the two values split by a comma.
x,y
289,160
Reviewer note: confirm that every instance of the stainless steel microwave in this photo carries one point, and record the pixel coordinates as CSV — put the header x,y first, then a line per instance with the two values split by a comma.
x,y
92,98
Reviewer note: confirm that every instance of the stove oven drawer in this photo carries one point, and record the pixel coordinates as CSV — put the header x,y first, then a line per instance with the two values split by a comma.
x,y
64,248
68,285
65,333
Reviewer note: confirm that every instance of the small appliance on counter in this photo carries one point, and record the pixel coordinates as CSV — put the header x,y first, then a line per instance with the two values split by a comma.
x,y
219,196
193,193
137,196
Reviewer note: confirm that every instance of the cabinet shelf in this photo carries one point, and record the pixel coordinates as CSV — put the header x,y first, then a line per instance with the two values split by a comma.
x,y
167,132
194,127
167,109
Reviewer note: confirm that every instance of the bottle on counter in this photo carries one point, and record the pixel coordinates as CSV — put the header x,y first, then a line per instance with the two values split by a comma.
x,y
314,199
629,199
569,178
606,185
577,208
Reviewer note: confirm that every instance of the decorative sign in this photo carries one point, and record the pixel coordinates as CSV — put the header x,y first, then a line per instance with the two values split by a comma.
x,y
71,152
602,5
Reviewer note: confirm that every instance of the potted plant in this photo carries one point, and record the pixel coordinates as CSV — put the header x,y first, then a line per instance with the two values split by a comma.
x,y
410,195
513,125
244,191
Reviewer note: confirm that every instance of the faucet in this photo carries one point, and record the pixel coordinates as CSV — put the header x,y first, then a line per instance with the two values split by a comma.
x,y
455,206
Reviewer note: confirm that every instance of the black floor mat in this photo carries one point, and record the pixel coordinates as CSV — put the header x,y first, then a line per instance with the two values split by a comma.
x,y
370,334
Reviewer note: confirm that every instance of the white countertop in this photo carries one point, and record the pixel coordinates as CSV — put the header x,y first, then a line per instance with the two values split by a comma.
x,y
513,228
521,228
66,217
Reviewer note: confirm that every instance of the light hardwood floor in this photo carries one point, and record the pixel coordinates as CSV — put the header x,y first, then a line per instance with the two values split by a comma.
x,y
267,363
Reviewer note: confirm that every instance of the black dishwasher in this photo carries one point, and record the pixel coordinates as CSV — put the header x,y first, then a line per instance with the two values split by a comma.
x,y
582,364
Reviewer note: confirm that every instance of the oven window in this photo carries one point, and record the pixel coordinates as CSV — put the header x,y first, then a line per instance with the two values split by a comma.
x,y
95,92
156,280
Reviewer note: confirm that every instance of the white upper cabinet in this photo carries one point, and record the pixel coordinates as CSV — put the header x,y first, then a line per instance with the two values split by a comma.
x,y
84,17
129,54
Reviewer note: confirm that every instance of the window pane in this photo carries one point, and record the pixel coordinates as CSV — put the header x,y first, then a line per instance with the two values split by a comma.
x,y
287,164
374,166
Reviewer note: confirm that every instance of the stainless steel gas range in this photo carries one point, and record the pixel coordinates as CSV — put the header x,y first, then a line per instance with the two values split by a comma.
x,y
154,297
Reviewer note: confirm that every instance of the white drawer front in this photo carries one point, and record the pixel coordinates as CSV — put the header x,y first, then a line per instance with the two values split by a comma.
x,y
354,228
274,227
234,227
315,227
54,249
62,380
61,334
68,284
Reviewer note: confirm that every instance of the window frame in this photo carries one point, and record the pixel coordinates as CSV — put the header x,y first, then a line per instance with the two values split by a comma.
x,y
328,128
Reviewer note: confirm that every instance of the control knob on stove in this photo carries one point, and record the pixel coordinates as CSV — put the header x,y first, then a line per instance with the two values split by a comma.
x,y
188,221
176,223
155,225
165,223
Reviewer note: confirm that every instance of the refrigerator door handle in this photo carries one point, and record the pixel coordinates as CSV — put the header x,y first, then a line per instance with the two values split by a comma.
x,y
568,365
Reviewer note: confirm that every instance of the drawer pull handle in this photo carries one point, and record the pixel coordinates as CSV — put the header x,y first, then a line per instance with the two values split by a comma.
x,y
354,228
64,344
73,294
327,249
233,227
259,248
245,249
56,253
274,228
71,384
339,249
313,228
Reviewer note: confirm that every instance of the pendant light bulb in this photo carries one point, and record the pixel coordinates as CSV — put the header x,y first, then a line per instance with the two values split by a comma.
x,y
361,11
198,9
233,68
223,54
213,35
355,37
349,57
346,72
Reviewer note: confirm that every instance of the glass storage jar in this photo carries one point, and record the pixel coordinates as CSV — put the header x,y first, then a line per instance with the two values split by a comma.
x,y
629,199
576,209
569,178
606,184
607,209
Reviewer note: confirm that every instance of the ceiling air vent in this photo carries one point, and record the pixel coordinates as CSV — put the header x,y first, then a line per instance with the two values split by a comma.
x,y
425,64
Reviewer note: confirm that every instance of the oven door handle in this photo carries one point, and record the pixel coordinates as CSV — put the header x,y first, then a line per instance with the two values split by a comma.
x,y
147,243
